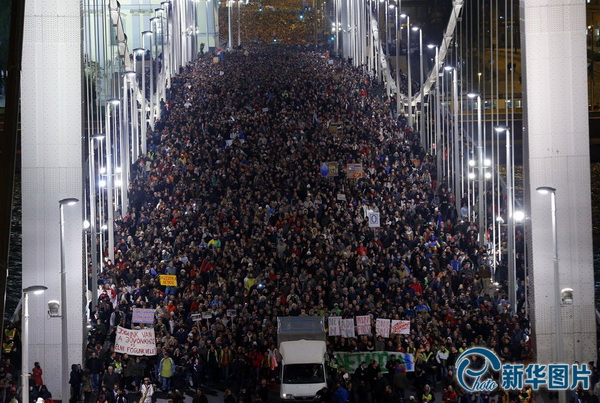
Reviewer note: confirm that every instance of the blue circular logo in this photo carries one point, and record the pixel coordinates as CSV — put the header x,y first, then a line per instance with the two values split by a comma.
x,y
473,369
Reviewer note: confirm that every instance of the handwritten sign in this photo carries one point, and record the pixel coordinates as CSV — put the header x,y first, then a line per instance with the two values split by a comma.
x,y
335,325
135,342
169,280
348,328
382,327
400,327
373,219
332,169
363,325
354,171
141,315
351,361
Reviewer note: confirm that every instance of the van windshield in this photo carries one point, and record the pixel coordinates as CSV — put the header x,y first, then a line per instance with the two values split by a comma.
x,y
303,373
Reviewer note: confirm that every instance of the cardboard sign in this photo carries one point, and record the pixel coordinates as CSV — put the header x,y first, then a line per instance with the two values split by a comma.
x,y
373,217
170,280
332,169
354,171
135,342
400,326
335,325
382,327
348,328
141,315
363,325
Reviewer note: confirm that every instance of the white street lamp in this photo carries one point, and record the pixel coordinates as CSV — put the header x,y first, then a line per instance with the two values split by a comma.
x,y
35,289
544,190
112,103
481,210
410,119
510,203
92,222
151,100
455,165
438,134
421,84
71,201
229,26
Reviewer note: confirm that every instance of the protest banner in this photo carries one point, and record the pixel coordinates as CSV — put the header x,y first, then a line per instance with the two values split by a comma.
x,y
354,171
333,169
400,326
168,280
231,313
382,327
348,328
351,361
141,315
207,315
363,325
335,325
373,219
135,342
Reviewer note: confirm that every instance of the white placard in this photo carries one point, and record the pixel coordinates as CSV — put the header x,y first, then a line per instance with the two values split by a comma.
x,y
382,327
363,325
400,326
135,342
141,315
348,328
373,217
335,325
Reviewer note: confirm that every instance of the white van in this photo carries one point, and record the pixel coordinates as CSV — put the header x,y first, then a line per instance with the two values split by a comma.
x,y
303,369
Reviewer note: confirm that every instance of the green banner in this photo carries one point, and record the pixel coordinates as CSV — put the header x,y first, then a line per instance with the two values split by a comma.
x,y
351,361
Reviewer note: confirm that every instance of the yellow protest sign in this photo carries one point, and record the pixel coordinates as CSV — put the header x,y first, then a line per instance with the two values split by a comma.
x,y
168,280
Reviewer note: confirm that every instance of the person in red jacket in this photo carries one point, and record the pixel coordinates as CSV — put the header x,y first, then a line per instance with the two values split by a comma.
x,y
450,395
36,374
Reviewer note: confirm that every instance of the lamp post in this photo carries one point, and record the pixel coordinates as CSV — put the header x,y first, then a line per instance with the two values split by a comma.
x,y
239,21
421,83
36,289
510,205
63,296
207,34
438,135
480,207
455,165
112,103
229,25
410,119
397,29
93,231
544,190
151,97
143,121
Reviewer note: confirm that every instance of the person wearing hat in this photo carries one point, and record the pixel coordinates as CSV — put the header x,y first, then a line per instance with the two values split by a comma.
x,y
147,391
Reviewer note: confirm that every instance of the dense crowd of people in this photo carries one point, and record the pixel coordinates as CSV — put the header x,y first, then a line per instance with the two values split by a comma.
x,y
231,199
